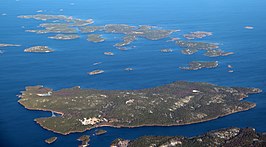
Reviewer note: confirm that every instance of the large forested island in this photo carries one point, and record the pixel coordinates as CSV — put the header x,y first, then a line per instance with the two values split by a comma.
x,y
178,103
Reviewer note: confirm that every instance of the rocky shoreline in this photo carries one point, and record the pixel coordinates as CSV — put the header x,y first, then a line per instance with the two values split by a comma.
x,y
224,137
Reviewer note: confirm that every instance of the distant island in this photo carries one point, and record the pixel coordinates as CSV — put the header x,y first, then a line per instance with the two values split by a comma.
x,y
3,45
65,37
69,28
228,137
39,49
178,103
198,34
7,45
67,24
212,50
196,65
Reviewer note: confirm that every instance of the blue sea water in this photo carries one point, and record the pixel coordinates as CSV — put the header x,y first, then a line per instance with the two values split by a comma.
x,y
68,66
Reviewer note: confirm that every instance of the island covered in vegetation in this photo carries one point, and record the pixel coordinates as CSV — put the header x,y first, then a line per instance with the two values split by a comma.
x,y
69,24
69,28
196,65
178,103
39,49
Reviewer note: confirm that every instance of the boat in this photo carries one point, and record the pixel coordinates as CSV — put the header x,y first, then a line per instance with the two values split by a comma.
x,y
128,69
249,27
168,50
96,72
109,53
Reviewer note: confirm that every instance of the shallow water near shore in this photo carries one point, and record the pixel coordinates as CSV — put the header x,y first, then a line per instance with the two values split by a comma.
x,y
69,64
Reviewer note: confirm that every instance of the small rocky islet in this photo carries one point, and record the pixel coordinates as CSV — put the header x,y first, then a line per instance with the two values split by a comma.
x,y
100,132
38,49
85,139
197,65
51,140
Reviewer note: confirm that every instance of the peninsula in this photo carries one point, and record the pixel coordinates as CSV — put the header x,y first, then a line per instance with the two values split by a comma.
x,y
178,103
228,137
96,38
198,34
193,47
127,40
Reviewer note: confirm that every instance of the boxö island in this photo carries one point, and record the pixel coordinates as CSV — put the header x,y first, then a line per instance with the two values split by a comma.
x,y
132,74
178,103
